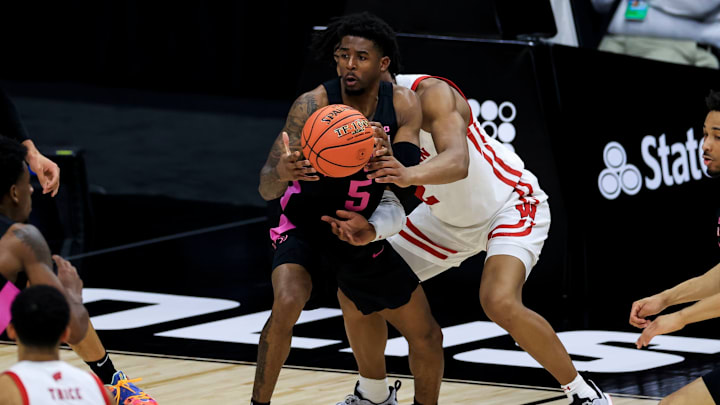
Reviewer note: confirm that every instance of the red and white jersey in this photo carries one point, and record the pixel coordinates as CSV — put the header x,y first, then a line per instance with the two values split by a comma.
x,y
56,382
496,176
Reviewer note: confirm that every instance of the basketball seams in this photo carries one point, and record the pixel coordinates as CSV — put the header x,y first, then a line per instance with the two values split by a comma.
x,y
333,126
339,150
320,157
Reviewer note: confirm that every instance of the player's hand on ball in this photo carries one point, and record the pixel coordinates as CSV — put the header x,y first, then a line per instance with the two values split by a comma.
x,y
351,227
643,308
382,140
661,325
291,167
387,169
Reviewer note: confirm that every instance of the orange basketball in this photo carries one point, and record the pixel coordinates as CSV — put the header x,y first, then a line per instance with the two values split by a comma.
x,y
337,140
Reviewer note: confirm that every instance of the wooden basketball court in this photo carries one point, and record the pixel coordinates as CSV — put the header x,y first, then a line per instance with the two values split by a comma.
x,y
188,381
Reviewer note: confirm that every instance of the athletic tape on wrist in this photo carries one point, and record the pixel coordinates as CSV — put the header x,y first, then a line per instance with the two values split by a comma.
x,y
388,217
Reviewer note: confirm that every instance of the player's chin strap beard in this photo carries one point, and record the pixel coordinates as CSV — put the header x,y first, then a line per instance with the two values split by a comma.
x,y
357,92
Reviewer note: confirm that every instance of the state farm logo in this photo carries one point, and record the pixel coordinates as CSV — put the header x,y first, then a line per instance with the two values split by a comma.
x,y
496,120
618,175
670,165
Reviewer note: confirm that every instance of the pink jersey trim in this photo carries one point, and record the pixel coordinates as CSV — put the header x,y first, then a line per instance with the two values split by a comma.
x,y
7,296
284,226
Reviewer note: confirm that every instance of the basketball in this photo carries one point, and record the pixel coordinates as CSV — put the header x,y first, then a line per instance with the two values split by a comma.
x,y
337,140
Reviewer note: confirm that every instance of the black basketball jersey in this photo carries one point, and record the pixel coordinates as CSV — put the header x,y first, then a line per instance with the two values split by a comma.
x,y
305,202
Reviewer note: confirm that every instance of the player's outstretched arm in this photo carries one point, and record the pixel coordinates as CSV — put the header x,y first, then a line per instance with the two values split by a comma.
x,y
387,220
285,161
706,308
690,290
35,257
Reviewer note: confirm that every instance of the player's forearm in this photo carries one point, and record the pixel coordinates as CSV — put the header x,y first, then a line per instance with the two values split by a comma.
x,y
704,309
441,169
271,187
33,153
694,289
79,321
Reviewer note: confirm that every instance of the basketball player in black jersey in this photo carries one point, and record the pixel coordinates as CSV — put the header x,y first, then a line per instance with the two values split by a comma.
x,y
704,289
25,257
306,250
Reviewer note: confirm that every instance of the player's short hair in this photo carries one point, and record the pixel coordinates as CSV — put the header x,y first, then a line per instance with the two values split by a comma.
x,y
713,101
364,25
12,156
40,315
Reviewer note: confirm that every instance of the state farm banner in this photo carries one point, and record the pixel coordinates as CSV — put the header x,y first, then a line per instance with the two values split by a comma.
x,y
627,141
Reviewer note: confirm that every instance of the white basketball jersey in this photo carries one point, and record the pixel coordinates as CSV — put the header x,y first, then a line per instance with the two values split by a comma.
x,y
494,181
56,382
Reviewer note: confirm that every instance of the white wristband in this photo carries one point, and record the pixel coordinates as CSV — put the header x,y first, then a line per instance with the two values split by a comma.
x,y
389,216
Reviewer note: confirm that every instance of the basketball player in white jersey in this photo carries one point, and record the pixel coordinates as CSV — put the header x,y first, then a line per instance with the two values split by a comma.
x,y
477,197
40,318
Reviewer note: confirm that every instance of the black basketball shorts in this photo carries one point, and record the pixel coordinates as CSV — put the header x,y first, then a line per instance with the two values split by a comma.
x,y
712,382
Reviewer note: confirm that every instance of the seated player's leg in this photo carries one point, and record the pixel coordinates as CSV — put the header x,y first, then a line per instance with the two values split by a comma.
x,y
415,322
703,391
292,286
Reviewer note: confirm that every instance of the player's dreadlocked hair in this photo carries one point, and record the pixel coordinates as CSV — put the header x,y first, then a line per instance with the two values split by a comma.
x,y
364,25
12,156
713,101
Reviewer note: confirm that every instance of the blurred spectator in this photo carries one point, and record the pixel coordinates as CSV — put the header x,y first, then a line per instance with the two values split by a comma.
x,y
677,31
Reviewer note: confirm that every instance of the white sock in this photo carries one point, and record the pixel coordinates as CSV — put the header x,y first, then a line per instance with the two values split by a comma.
x,y
580,387
374,390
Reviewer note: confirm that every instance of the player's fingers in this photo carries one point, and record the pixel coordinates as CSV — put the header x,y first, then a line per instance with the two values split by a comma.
x,y
286,142
305,177
378,169
59,261
387,179
345,214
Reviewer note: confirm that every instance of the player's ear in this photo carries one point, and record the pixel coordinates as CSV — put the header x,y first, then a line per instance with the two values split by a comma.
x,y
11,332
66,334
384,63
14,193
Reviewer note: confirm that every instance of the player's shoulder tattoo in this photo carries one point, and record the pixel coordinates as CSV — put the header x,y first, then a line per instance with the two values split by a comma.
x,y
31,237
301,109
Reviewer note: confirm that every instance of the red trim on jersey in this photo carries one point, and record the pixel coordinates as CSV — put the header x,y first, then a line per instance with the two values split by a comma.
x,y
495,170
422,235
527,210
421,245
103,390
497,159
21,387
523,233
